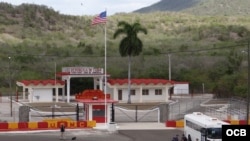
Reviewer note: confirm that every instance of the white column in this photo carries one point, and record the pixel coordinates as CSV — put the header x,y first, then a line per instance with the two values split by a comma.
x,y
115,93
31,95
101,83
140,94
90,112
167,89
68,89
108,112
24,93
56,94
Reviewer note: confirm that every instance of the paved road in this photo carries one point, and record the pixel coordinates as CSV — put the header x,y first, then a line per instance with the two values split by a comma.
x,y
95,135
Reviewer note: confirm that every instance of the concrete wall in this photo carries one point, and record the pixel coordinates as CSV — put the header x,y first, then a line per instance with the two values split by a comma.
x,y
181,88
138,97
42,95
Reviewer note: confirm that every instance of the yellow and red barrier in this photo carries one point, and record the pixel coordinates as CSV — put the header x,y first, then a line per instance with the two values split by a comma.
x,y
174,123
180,123
45,125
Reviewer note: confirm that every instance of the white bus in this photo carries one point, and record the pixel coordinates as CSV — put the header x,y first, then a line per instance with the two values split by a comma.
x,y
201,127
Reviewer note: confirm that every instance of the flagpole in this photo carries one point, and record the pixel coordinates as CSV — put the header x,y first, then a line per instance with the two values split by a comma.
x,y
101,18
105,73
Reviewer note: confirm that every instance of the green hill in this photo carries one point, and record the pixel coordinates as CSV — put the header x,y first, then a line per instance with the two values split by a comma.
x,y
169,5
201,7
204,49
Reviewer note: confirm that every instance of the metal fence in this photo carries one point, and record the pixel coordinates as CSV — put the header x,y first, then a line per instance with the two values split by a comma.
x,y
235,109
177,109
137,115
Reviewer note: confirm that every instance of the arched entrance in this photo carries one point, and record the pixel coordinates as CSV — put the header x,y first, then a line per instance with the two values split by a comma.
x,y
78,72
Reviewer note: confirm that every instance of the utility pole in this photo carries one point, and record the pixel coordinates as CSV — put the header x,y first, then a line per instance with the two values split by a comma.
x,y
169,67
10,88
169,75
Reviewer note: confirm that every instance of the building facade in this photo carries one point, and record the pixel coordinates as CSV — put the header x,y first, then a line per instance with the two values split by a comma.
x,y
181,88
40,90
142,90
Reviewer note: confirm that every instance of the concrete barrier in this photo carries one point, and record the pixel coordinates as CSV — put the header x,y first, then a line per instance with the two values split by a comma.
x,y
4,126
171,123
45,125
180,123
32,125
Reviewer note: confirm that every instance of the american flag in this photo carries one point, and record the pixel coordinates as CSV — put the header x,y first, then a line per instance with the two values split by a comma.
x,y
101,18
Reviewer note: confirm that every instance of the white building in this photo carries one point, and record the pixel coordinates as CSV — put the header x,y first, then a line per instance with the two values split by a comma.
x,y
142,90
181,88
40,90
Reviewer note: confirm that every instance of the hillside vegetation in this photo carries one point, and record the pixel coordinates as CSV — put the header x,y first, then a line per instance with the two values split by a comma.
x,y
201,7
204,49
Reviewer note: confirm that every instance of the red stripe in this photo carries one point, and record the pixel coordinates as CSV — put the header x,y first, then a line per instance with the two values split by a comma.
x,y
99,20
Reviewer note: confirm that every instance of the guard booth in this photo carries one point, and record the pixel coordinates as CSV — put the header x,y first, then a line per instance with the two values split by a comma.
x,y
97,105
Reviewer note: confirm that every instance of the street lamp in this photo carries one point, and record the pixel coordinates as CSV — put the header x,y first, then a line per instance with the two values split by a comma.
x,y
169,74
10,88
248,81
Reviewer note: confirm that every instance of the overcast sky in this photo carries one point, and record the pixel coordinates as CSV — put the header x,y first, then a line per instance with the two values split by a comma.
x,y
88,7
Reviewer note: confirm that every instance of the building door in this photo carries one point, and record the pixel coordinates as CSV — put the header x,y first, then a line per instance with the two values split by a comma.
x,y
119,94
99,113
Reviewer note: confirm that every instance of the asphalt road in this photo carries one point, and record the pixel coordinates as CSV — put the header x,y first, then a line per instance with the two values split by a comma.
x,y
95,135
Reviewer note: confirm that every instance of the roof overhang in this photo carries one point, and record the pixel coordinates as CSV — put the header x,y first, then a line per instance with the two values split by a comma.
x,y
41,83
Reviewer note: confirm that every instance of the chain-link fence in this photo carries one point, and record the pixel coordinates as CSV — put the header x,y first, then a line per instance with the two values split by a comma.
x,y
235,109
177,109
137,115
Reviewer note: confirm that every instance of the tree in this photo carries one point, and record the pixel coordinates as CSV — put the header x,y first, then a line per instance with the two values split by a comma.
x,y
130,45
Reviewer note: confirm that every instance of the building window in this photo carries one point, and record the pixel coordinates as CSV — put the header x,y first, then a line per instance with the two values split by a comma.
x,y
119,94
145,92
158,91
119,91
132,92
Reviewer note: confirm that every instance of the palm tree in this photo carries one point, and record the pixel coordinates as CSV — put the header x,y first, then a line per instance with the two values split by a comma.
x,y
130,45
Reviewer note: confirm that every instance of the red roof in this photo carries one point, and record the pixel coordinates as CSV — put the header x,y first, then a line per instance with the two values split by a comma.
x,y
140,81
42,82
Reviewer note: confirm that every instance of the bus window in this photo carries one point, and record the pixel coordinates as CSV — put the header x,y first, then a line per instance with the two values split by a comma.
x,y
203,131
214,133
